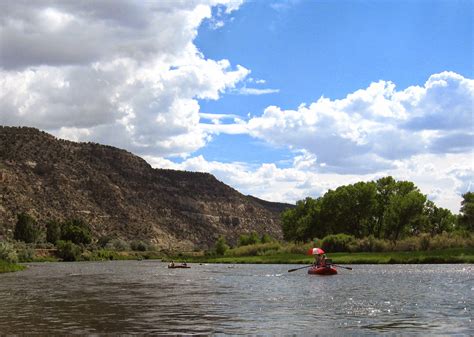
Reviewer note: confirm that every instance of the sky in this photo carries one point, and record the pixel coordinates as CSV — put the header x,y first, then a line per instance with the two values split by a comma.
x,y
278,99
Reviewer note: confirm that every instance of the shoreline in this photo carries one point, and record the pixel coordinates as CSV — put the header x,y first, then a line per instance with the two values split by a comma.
x,y
6,267
445,256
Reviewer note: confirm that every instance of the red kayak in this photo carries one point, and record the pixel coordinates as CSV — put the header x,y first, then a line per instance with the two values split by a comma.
x,y
322,270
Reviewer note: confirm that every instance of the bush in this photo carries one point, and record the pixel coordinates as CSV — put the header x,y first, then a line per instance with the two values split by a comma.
x,y
76,231
221,246
266,238
294,248
104,240
100,255
250,239
409,244
139,246
369,244
462,239
26,229
337,243
53,231
68,251
118,245
8,252
25,252
425,241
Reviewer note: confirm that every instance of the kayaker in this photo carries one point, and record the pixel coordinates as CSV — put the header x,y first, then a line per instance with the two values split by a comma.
x,y
320,260
323,261
317,260
171,264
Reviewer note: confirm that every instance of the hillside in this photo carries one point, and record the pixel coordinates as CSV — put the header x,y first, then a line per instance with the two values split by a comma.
x,y
120,194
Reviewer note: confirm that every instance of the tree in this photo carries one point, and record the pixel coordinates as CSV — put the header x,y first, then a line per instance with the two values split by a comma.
x,y
437,219
466,218
302,222
221,246
26,229
402,213
76,231
53,231
385,190
349,209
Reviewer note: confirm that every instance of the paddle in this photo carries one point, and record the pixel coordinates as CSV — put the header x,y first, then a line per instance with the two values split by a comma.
x,y
336,265
299,268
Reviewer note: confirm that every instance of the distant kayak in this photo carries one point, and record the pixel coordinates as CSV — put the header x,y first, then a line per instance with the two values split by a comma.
x,y
174,266
322,270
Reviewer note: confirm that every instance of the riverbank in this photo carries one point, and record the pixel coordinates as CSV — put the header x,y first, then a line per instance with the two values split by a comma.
x,y
6,267
453,255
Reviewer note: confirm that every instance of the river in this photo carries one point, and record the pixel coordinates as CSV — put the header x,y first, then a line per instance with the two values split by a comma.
x,y
144,297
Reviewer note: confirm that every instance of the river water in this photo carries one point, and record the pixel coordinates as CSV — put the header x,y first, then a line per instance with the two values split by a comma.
x,y
144,297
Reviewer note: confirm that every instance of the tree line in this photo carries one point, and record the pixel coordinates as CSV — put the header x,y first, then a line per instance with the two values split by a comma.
x,y
72,238
385,209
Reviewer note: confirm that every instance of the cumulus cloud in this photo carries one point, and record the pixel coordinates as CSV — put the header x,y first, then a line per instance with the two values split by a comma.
x,y
125,73
370,128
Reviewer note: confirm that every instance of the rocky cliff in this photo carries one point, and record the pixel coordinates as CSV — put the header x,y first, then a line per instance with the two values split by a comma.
x,y
120,194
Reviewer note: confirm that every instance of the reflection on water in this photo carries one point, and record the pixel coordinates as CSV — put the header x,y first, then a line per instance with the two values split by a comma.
x,y
146,297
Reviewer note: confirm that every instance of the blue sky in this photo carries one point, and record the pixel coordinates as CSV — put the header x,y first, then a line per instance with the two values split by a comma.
x,y
279,99
309,49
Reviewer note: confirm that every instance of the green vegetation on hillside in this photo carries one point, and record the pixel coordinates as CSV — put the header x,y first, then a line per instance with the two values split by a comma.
x,y
70,240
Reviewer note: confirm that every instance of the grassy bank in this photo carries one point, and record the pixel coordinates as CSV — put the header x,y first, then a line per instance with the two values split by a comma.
x,y
6,267
453,255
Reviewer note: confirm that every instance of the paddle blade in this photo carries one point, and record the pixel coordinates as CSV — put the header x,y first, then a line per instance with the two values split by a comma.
x,y
336,265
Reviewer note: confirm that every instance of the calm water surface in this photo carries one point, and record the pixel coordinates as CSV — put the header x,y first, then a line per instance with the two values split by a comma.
x,y
136,297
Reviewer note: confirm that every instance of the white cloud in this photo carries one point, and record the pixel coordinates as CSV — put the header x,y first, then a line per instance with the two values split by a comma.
x,y
256,91
370,128
363,137
126,74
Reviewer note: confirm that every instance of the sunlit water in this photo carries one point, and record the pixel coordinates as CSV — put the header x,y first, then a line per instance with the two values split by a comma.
x,y
145,297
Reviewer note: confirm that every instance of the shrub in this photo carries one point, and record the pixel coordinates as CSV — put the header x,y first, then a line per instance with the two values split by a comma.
x,y
369,244
26,252
53,231
104,240
407,245
139,246
425,241
250,239
337,242
26,229
100,255
76,231
117,244
8,252
295,248
221,246
266,238
462,239
68,251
